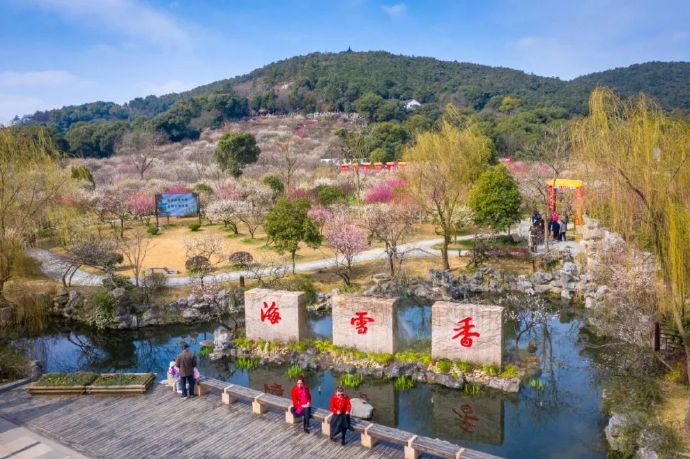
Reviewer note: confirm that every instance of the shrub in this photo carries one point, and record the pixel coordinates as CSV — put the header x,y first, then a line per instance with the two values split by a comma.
x,y
155,282
195,226
444,365
404,382
351,381
329,194
205,351
509,371
294,371
80,378
197,263
120,379
12,363
629,394
153,230
103,308
241,258
297,283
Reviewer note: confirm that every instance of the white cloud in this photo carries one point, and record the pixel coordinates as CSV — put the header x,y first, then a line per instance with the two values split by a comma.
x,y
128,17
158,89
36,78
395,10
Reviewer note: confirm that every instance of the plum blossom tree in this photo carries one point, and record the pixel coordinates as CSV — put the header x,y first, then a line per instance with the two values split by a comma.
x,y
142,204
319,215
226,211
390,223
347,239
254,203
114,204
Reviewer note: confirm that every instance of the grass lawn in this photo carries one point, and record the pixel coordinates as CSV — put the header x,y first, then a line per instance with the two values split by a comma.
x,y
673,409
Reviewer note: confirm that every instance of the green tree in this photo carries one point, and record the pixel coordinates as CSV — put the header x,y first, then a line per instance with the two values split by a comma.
x,y
495,199
442,166
329,194
368,105
275,184
235,150
288,224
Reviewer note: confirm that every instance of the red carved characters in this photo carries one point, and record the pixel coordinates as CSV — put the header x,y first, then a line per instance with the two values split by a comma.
x,y
464,331
466,414
360,322
271,313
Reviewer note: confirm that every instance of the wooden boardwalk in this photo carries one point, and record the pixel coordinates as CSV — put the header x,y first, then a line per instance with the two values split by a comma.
x,y
159,424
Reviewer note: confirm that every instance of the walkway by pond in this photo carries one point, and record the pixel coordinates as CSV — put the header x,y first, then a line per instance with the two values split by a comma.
x,y
160,425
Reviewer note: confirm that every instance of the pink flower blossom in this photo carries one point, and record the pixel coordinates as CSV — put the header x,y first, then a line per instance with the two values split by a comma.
x,y
177,189
142,203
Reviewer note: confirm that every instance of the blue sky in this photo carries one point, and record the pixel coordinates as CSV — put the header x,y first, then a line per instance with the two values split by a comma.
x,y
63,52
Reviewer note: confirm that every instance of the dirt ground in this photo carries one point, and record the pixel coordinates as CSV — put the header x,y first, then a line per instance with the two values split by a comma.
x,y
167,249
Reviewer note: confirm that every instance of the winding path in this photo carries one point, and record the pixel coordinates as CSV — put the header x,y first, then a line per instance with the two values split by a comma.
x,y
53,265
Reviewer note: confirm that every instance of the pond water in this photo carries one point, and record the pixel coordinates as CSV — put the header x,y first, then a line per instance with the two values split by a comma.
x,y
556,418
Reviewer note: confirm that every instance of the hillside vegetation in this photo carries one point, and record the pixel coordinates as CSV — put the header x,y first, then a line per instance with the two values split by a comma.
x,y
373,84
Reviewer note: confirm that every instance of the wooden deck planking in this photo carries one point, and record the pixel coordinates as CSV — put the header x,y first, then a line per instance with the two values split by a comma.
x,y
160,425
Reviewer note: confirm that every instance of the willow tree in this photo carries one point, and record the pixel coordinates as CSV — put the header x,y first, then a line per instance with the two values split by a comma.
x,y
30,180
638,160
442,165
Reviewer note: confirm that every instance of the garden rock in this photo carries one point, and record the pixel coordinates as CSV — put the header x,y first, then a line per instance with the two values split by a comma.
x,y
222,337
615,431
361,408
541,278
191,314
446,380
441,278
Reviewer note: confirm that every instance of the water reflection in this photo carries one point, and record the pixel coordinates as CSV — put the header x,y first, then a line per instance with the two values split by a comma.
x,y
560,417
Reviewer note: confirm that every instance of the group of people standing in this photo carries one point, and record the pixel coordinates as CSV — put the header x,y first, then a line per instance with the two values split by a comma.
x,y
339,404
183,370
557,228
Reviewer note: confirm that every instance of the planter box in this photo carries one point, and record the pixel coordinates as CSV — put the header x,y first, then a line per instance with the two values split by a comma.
x,y
55,390
123,390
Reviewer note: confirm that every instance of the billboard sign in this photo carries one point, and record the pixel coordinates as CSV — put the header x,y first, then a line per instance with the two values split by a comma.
x,y
177,204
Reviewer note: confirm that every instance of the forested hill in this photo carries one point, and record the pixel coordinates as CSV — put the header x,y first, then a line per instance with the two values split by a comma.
x,y
375,84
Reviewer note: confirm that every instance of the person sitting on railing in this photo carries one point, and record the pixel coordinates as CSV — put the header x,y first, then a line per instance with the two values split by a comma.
x,y
340,407
301,402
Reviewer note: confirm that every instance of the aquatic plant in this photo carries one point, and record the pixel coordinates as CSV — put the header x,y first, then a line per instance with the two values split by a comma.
x,y
409,356
536,384
404,382
444,365
323,345
246,363
298,346
509,371
491,370
243,343
351,380
472,389
205,351
383,359
294,371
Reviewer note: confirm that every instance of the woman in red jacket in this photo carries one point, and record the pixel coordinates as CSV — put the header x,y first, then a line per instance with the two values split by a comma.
x,y
340,407
301,402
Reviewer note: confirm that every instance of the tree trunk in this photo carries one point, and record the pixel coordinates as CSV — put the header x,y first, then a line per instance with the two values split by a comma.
x,y
293,261
444,251
122,227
